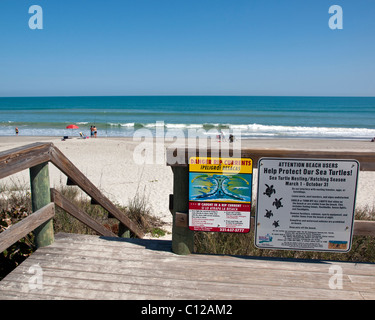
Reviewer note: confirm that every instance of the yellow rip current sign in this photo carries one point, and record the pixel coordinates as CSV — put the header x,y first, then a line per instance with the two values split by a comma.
x,y
221,165
220,192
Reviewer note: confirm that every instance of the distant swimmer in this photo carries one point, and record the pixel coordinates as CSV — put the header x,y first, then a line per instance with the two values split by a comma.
x,y
17,131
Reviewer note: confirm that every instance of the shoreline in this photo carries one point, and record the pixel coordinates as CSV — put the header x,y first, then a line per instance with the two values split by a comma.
x,y
243,138
108,162
325,143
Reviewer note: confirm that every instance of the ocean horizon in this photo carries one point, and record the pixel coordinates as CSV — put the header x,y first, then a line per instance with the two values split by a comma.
x,y
248,116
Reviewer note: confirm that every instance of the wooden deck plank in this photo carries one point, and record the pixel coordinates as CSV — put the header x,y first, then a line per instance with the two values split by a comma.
x,y
176,288
137,253
262,262
92,267
223,285
163,269
368,295
165,245
69,292
114,241
223,275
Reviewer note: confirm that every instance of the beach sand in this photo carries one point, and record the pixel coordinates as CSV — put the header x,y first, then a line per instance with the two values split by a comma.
x,y
109,164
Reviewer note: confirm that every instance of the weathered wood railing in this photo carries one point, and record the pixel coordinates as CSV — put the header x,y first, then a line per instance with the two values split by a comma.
x,y
27,225
36,157
183,238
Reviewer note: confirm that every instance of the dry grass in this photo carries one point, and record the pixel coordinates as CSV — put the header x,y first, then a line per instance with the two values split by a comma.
x,y
138,211
363,247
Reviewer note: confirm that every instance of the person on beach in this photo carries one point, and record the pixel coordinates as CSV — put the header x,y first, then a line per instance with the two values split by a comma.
x,y
16,131
91,131
220,136
95,131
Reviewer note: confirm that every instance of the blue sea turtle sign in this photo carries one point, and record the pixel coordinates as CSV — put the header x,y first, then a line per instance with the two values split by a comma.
x,y
220,194
305,204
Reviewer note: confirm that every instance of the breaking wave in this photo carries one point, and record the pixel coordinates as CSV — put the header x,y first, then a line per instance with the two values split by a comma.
x,y
245,131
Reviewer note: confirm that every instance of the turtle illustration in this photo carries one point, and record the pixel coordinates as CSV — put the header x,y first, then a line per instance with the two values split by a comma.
x,y
277,203
269,191
276,223
268,214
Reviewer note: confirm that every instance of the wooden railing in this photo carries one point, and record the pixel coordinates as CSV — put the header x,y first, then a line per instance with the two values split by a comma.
x,y
183,238
36,157
27,225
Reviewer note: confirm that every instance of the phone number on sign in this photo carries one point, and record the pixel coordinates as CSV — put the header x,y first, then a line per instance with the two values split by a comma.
x,y
237,230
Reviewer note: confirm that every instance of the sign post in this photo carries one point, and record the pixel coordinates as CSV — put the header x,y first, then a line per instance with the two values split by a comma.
x,y
305,204
220,194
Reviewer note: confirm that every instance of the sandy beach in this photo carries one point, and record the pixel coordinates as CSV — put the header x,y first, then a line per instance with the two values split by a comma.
x,y
109,164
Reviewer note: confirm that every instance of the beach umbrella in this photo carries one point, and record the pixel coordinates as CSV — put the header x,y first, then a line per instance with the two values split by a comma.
x,y
72,126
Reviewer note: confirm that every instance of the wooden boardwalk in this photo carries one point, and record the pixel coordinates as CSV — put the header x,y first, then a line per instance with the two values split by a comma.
x,y
92,267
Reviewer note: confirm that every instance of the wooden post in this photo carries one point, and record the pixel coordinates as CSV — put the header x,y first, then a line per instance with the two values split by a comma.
x,y
40,197
182,237
123,231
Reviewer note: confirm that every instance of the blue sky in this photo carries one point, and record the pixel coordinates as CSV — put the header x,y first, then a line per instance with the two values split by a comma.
x,y
190,47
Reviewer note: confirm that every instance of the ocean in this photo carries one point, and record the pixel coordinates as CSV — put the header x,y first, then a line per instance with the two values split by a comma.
x,y
252,116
